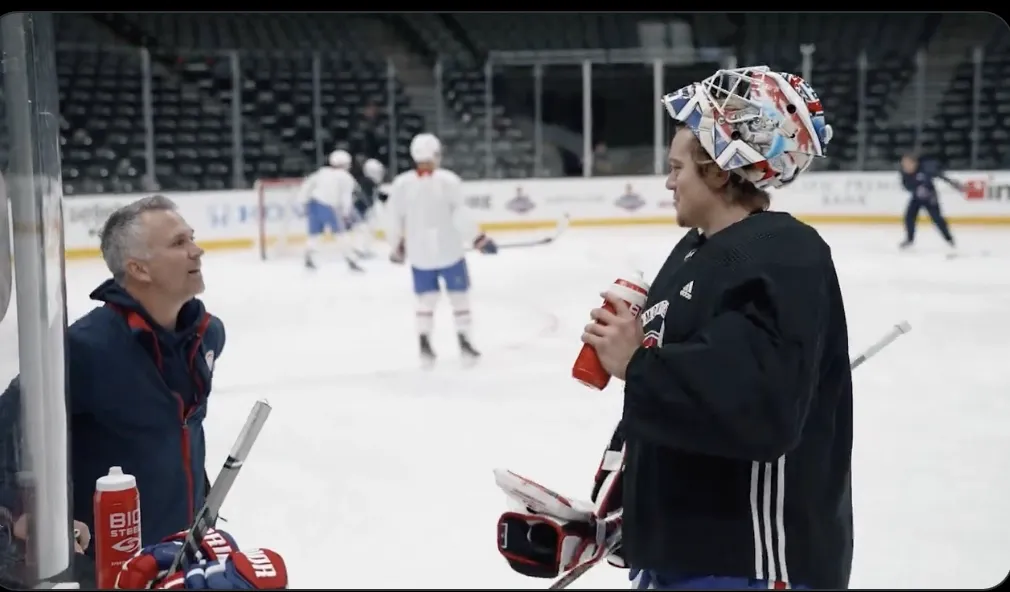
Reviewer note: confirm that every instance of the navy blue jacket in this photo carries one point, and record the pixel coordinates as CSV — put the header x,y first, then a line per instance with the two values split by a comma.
x,y
138,398
920,183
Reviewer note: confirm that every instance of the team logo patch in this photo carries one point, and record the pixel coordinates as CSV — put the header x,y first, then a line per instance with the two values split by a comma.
x,y
210,360
654,335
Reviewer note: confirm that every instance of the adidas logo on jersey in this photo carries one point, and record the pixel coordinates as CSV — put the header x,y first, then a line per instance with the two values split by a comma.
x,y
685,292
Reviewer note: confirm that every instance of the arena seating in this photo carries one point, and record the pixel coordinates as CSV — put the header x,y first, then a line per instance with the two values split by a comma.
x,y
103,133
277,95
890,41
948,134
101,101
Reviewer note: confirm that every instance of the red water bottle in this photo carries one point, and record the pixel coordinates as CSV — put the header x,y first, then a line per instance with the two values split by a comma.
x,y
633,290
117,524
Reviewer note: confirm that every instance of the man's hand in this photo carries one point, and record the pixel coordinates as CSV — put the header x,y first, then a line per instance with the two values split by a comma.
x,y
82,534
614,336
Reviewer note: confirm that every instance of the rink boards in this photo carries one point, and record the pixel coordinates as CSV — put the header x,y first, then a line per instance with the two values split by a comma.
x,y
230,219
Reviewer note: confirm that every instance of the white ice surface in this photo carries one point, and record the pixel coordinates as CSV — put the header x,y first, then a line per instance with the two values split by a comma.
x,y
373,473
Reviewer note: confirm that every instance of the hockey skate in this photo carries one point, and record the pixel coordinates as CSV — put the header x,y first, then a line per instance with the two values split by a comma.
x,y
952,252
427,354
466,349
353,265
309,262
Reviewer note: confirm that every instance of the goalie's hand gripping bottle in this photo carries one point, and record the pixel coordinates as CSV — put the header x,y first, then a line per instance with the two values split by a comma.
x,y
117,524
633,290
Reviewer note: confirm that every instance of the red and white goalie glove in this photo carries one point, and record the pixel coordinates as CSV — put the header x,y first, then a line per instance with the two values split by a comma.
x,y
545,534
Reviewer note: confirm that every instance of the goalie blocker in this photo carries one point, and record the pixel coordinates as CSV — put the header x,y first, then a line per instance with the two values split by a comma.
x,y
545,534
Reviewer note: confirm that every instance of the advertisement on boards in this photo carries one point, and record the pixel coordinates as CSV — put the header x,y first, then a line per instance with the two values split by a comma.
x,y
989,187
630,200
276,212
845,194
89,216
986,193
231,217
478,201
520,203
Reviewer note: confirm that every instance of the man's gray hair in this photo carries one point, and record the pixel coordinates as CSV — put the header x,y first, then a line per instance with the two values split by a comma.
x,y
121,234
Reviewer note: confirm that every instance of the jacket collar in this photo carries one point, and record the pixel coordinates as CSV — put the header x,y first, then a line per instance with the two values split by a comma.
x,y
190,321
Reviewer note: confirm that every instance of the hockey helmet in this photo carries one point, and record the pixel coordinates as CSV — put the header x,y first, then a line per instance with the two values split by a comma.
x,y
425,148
340,159
374,170
765,126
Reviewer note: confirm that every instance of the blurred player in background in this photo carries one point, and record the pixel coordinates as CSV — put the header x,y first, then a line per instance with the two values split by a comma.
x,y
732,459
367,197
328,195
429,224
917,176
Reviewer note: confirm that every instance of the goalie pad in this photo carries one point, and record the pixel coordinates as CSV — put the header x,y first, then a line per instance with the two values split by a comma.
x,y
608,486
545,534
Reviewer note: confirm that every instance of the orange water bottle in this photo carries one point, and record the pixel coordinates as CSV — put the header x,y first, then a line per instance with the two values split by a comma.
x,y
633,290
117,524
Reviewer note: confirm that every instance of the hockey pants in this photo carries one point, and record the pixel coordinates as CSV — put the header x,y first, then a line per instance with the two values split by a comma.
x,y
932,207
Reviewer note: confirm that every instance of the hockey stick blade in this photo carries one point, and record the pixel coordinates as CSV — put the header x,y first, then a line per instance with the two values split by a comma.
x,y
895,332
225,479
559,230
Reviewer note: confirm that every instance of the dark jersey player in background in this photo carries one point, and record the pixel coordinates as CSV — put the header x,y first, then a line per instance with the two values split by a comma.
x,y
917,176
737,423
369,178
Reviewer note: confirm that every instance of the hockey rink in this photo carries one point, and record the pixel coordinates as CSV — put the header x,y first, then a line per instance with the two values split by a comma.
x,y
374,473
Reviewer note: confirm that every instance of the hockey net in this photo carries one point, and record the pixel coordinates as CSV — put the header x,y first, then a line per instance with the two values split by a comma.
x,y
281,228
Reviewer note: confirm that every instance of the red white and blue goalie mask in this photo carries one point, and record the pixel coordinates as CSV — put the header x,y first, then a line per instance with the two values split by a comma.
x,y
771,122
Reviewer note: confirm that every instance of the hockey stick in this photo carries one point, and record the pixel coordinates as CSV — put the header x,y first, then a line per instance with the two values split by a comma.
x,y
895,332
225,479
561,228
566,580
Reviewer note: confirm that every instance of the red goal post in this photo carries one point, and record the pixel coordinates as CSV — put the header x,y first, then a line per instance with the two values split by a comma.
x,y
280,217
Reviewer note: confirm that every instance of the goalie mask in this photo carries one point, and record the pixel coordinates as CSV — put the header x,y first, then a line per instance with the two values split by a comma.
x,y
765,126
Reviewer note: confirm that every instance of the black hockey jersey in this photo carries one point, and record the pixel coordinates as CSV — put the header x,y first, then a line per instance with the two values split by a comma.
x,y
738,412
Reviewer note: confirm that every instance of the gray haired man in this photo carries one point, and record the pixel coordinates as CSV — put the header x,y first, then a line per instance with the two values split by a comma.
x,y
139,371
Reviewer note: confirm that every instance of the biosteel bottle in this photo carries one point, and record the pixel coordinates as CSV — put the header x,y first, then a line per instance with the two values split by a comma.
x,y
633,290
117,524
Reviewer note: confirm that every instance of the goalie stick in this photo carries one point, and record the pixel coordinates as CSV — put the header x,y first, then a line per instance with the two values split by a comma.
x,y
225,479
612,543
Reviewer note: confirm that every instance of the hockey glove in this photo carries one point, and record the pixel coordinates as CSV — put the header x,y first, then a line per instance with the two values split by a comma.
x,y
256,569
151,564
399,254
546,534
607,486
484,244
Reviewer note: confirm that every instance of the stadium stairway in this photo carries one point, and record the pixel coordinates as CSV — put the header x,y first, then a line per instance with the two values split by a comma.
x,y
952,39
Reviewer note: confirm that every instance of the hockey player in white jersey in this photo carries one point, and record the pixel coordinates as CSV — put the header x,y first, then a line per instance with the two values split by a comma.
x,y
430,225
328,195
